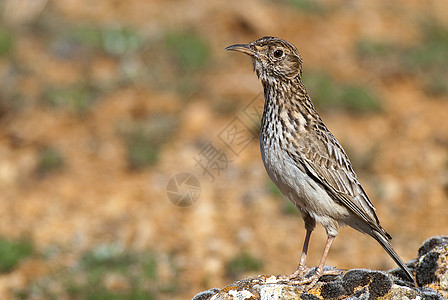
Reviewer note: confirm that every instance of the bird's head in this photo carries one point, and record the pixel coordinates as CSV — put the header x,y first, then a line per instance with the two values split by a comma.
x,y
273,58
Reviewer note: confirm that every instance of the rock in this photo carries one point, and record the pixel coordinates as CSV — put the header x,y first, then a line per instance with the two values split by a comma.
x,y
430,269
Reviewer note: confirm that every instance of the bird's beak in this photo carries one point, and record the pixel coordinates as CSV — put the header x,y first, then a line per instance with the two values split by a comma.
x,y
243,48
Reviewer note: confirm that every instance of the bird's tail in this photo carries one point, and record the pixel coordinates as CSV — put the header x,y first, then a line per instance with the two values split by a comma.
x,y
388,247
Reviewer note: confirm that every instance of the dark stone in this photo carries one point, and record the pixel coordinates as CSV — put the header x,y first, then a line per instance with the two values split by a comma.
x,y
432,243
328,278
380,285
426,269
306,296
333,289
361,294
205,294
324,278
355,278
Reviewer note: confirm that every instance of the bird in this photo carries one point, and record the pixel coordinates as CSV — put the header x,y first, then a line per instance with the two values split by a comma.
x,y
304,159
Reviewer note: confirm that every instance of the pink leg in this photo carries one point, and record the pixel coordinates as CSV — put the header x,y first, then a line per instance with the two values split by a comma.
x,y
311,281
320,268
302,269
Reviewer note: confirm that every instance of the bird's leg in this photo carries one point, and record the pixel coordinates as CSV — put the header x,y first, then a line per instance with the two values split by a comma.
x,y
302,268
320,269
311,281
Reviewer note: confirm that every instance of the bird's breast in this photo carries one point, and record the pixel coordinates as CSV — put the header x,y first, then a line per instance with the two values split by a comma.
x,y
293,180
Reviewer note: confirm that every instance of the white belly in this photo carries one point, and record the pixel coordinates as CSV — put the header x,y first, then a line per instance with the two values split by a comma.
x,y
309,196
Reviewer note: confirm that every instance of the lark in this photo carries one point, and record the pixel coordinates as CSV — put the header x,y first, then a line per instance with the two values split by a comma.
x,y
304,159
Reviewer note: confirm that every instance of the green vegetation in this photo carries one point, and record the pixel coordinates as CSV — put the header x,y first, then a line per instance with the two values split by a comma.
x,y
327,94
113,40
243,263
368,49
119,41
273,189
85,35
309,6
77,98
6,42
320,87
433,49
13,252
134,271
358,99
190,51
106,258
141,151
49,160
430,59
98,263
104,294
427,60
143,139
104,272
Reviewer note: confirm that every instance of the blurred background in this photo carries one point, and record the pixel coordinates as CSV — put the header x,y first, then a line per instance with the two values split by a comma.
x,y
103,102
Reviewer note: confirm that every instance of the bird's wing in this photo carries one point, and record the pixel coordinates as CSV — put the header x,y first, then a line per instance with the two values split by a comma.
x,y
326,161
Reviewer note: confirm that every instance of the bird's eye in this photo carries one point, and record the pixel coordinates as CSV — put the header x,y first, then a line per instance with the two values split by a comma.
x,y
278,53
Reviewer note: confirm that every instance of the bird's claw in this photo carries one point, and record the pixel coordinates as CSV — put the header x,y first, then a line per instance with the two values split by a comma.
x,y
299,277
299,273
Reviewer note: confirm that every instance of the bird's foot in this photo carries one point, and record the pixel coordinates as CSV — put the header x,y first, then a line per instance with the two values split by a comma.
x,y
298,274
310,277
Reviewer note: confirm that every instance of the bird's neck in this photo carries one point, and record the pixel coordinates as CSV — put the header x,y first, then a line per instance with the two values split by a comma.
x,y
286,101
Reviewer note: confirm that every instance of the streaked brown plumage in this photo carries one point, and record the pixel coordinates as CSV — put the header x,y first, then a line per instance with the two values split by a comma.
x,y
303,158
